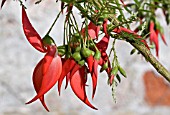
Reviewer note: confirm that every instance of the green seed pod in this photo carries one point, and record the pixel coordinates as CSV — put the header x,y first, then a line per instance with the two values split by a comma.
x,y
78,49
61,52
92,53
133,51
77,35
68,55
99,23
62,47
86,52
48,40
77,56
82,62
118,78
122,71
114,70
101,18
105,13
104,67
97,55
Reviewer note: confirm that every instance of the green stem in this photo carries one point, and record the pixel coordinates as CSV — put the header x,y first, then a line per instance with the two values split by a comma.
x,y
53,23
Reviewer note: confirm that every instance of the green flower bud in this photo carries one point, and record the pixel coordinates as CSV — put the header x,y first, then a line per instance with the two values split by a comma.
x,y
86,52
48,40
114,70
104,67
77,49
82,62
97,55
122,71
77,56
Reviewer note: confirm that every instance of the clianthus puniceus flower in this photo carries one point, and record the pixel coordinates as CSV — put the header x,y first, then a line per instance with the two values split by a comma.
x,y
154,31
82,60
52,68
81,53
48,70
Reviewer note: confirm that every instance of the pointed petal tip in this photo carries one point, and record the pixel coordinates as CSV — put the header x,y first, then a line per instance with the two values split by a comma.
x,y
43,103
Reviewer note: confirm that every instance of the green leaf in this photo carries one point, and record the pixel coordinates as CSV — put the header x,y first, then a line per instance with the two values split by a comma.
x,y
122,71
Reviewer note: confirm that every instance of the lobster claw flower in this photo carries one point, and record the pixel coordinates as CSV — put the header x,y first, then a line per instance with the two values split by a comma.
x,y
65,71
93,31
48,70
122,29
77,82
154,37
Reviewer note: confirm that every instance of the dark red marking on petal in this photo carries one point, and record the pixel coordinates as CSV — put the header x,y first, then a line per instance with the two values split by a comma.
x,y
103,43
105,27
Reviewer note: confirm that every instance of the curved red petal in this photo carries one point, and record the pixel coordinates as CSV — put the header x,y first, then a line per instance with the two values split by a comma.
x,y
105,27
31,34
50,77
94,77
67,79
51,52
37,81
163,38
103,43
75,68
92,30
78,87
66,68
156,41
89,61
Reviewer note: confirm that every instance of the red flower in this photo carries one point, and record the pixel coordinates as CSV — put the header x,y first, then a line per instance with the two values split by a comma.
x,y
122,29
154,37
93,31
77,82
78,76
48,70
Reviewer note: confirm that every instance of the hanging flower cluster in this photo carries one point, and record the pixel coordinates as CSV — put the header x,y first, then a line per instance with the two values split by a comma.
x,y
84,50
81,58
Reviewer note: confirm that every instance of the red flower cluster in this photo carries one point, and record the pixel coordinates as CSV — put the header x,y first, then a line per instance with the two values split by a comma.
x,y
82,60
154,36
53,68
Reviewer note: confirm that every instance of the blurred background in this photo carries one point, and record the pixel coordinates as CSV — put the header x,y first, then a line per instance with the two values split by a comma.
x,y
143,92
